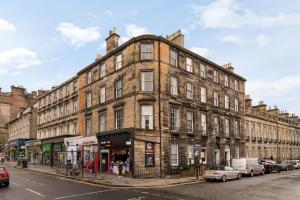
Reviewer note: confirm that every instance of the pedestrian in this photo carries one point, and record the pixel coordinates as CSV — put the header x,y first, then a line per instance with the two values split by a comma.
x,y
120,168
196,165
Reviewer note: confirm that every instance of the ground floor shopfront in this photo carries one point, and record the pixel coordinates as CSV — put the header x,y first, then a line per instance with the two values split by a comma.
x,y
33,151
16,149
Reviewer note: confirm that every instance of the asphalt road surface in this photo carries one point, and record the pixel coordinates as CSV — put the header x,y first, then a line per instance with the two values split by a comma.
x,y
276,186
27,185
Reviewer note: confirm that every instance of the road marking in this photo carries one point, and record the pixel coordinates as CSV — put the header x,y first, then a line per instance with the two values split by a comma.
x,y
83,194
35,192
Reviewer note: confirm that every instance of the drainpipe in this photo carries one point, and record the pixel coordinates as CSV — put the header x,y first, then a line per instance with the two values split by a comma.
x,y
159,109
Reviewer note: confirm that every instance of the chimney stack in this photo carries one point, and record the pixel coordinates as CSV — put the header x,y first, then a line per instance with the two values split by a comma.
x,y
112,41
229,67
177,38
248,101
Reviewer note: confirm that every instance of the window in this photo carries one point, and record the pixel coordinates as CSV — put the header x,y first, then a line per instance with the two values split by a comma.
x,y
216,76
237,152
147,81
203,95
203,124
190,151
226,102
174,154
75,86
174,119
226,81
88,99
68,89
189,91
173,58
189,122
216,99
147,51
173,85
236,128
202,71
236,105
216,126
118,61
68,108
227,127
118,88
102,122
75,105
88,121
61,111
102,94
147,116
88,77
236,85
118,119
102,70
189,65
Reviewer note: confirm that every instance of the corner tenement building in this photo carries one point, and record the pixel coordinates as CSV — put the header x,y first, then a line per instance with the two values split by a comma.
x,y
152,103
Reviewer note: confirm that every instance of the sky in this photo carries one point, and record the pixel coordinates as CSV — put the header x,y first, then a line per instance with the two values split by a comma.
x,y
43,43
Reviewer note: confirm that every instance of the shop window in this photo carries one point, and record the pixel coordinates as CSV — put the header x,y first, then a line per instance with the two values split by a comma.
x,y
118,88
174,154
147,116
118,119
146,51
173,58
147,81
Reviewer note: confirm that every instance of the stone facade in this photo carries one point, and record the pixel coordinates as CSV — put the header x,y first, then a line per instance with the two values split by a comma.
x,y
11,103
151,93
271,133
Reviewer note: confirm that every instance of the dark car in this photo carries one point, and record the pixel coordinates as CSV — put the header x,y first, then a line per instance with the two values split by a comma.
x,y
4,176
270,166
286,165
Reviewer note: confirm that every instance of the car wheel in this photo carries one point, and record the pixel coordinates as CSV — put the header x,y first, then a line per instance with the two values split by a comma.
x,y
251,173
224,178
6,184
239,176
262,172
206,179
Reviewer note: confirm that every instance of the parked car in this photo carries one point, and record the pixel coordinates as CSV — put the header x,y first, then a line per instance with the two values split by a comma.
x,y
286,165
296,164
221,173
4,176
248,166
270,166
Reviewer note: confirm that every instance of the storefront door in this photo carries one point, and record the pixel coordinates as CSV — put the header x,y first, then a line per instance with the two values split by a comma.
x,y
104,161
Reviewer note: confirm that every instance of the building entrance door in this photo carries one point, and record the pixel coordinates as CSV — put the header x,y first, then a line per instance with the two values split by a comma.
x,y
104,162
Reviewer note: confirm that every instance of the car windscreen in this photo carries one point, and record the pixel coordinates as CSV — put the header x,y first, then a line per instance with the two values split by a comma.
x,y
218,168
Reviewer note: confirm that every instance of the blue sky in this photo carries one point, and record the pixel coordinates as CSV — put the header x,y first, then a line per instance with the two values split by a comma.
x,y
43,43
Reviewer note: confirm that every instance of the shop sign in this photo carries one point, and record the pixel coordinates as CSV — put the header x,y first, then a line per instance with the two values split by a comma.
x,y
149,154
46,148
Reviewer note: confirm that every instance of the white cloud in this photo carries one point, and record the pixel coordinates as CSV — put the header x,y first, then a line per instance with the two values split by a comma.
x,y
232,14
201,51
133,30
260,40
78,36
5,26
14,61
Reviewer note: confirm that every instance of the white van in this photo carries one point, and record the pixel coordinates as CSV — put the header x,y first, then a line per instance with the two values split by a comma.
x,y
248,166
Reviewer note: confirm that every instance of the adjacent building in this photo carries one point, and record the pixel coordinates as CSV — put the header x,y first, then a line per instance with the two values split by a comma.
x,y
57,118
152,104
21,129
271,133
11,103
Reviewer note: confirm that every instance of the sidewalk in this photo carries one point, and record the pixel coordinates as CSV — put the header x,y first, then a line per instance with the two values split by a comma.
x,y
112,180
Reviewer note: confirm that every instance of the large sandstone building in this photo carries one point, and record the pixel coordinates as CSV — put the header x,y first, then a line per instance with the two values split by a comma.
x,y
271,133
11,103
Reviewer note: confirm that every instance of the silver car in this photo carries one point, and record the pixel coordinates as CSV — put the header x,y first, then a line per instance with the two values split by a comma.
x,y
221,173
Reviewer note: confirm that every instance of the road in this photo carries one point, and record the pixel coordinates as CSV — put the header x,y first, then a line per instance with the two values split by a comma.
x,y
276,186
27,185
